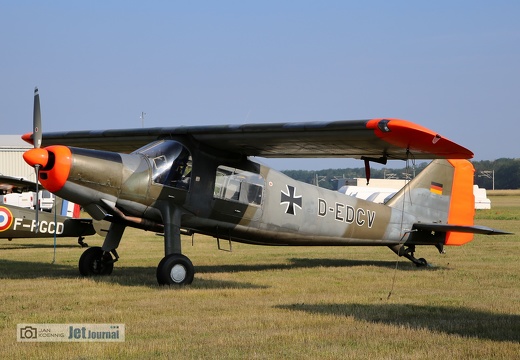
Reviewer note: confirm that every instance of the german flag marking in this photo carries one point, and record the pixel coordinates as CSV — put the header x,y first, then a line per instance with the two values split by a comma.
x,y
436,188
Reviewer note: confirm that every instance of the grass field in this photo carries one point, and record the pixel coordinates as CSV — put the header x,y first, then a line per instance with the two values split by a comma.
x,y
275,302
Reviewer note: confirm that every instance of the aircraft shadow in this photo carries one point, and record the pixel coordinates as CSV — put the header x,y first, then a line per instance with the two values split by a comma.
x,y
445,319
14,246
126,276
146,275
199,283
305,263
12,269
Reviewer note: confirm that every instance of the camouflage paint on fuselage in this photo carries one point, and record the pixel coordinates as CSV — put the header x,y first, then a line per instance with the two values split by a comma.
x,y
287,212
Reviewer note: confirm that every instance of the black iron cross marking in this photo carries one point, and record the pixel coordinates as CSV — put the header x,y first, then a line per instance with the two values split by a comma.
x,y
291,200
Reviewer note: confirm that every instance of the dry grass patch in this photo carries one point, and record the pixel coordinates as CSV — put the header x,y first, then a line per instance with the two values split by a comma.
x,y
515,192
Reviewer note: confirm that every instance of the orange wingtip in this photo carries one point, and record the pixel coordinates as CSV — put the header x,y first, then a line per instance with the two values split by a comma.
x,y
28,138
417,138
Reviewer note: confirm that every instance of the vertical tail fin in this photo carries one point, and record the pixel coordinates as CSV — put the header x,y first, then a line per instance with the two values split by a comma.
x,y
462,203
441,194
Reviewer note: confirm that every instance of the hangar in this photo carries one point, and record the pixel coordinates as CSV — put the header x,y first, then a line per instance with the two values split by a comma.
x,y
12,164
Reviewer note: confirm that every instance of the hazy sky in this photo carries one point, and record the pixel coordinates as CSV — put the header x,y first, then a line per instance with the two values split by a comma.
x,y
452,66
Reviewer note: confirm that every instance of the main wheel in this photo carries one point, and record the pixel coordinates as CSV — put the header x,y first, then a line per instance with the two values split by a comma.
x,y
94,262
175,269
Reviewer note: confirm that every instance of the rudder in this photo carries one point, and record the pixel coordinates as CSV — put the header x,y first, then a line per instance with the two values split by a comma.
x,y
462,203
442,194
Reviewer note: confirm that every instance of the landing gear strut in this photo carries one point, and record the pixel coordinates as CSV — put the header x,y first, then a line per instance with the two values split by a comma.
x,y
408,252
98,260
174,268
81,242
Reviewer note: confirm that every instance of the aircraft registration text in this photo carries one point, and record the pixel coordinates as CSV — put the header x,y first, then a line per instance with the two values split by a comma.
x,y
346,213
45,227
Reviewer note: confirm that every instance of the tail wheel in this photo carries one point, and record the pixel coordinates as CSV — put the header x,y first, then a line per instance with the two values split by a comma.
x,y
94,262
421,262
175,269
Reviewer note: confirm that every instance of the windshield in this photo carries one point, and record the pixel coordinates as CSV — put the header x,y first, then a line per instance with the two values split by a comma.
x,y
171,163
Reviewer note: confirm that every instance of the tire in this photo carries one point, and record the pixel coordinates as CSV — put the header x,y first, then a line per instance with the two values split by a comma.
x,y
175,269
94,263
421,262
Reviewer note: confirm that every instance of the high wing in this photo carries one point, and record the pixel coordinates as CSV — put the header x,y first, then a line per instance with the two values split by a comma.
x,y
375,138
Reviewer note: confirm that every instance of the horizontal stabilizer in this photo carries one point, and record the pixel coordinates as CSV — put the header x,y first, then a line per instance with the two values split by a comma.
x,y
473,229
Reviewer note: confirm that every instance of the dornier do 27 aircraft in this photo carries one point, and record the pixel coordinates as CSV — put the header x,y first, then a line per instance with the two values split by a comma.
x,y
18,222
200,179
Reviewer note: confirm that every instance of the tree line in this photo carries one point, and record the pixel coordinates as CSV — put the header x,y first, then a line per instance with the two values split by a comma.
x,y
502,173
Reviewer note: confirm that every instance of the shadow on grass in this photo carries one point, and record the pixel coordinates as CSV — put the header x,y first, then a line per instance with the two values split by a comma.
x,y
14,269
146,275
223,284
449,320
14,246
125,276
306,263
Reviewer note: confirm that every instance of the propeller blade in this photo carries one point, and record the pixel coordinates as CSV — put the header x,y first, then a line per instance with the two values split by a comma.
x,y
36,207
37,140
37,120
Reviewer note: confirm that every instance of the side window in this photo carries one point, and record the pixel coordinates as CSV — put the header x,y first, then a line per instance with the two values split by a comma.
x,y
239,185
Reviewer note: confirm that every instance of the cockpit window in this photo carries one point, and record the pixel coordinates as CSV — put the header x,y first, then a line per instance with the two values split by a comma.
x,y
171,163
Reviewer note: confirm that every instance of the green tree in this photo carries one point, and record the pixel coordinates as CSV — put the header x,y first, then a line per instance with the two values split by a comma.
x,y
506,174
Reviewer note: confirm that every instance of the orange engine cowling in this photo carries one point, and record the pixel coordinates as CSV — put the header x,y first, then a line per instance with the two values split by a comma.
x,y
55,164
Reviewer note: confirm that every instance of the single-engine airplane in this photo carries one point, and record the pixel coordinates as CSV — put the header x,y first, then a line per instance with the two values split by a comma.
x,y
18,222
201,179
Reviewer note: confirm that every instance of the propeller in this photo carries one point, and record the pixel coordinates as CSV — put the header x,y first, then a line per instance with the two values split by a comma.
x,y
37,120
37,141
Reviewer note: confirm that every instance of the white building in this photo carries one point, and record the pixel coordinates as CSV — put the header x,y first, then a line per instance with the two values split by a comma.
x,y
381,189
12,163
